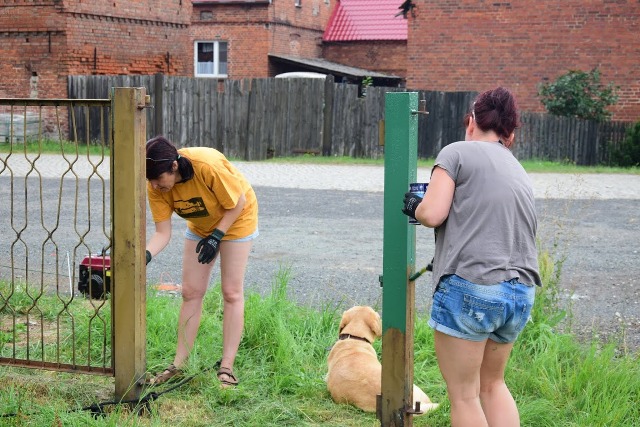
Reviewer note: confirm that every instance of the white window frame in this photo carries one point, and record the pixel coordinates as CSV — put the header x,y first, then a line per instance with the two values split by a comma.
x,y
215,71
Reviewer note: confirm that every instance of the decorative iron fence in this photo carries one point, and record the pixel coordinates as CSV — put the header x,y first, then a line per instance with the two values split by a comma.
x,y
50,223
66,245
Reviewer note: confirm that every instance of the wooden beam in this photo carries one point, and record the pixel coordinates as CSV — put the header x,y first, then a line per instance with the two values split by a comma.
x,y
128,266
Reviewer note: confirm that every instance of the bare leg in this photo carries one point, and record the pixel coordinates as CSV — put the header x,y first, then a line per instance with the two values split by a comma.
x,y
497,402
459,361
195,279
233,262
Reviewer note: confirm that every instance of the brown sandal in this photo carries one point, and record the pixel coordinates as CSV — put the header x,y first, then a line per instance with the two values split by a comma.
x,y
165,375
230,381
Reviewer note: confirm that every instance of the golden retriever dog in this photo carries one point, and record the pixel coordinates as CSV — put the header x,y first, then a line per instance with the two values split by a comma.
x,y
354,372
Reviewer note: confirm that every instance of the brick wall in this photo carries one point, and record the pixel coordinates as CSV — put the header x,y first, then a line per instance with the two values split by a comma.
x,y
388,57
473,46
453,46
255,30
126,37
106,45
30,41
296,41
175,11
297,30
41,44
246,30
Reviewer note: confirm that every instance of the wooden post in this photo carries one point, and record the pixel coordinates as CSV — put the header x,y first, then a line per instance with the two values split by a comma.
x,y
398,296
327,115
158,104
128,267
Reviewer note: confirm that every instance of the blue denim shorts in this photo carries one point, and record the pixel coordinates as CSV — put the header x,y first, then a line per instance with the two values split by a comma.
x,y
476,312
193,236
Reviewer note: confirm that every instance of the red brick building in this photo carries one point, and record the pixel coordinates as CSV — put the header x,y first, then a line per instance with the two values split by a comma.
x,y
252,30
472,46
44,41
449,46
371,34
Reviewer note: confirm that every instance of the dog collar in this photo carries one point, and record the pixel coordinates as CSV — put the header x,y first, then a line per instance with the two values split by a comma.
x,y
353,337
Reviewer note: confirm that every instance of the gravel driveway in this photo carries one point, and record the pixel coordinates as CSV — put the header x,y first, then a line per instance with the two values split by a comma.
x,y
323,225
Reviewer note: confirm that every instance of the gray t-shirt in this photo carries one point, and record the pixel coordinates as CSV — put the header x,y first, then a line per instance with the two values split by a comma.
x,y
490,233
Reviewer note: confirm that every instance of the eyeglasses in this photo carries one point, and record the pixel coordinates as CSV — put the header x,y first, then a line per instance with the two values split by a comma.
x,y
473,111
152,162
159,160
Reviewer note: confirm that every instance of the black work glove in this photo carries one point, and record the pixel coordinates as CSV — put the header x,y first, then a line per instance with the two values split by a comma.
x,y
148,255
208,247
411,202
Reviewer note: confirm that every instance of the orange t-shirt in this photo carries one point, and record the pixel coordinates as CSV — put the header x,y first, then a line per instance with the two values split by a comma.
x,y
216,186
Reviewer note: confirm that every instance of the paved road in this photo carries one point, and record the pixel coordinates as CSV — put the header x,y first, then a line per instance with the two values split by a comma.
x,y
338,177
323,225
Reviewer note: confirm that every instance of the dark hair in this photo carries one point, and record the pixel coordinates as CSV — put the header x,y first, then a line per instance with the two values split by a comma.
x,y
161,154
496,110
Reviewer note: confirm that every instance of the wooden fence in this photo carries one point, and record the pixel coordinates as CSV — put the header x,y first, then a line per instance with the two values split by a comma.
x,y
261,118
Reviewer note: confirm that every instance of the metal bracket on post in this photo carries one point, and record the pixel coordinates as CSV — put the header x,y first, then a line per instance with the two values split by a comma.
x,y
146,104
422,109
414,410
398,300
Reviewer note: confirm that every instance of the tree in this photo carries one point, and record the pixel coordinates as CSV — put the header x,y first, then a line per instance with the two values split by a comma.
x,y
579,94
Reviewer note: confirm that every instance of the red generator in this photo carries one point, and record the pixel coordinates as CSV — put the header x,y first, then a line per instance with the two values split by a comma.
x,y
94,278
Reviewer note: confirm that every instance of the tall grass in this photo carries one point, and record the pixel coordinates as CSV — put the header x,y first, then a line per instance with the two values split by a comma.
x,y
44,317
555,379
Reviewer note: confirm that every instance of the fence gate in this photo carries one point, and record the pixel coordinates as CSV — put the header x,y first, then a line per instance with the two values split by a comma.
x,y
60,252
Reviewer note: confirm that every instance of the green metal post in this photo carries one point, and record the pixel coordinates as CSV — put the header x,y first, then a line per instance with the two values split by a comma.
x,y
398,293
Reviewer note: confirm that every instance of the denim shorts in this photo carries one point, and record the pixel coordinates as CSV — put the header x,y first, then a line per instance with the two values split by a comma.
x,y
476,312
193,236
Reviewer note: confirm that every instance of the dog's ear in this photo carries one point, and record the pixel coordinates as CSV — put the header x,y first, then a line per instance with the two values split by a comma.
x,y
346,318
375,323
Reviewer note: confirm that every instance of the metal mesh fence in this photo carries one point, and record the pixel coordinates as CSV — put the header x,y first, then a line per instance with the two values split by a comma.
x,y
55,222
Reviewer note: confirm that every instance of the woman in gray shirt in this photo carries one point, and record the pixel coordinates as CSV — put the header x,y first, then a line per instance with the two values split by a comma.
x,y
480,202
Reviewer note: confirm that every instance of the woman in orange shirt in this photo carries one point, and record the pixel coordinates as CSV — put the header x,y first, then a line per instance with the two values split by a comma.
x,y
221,210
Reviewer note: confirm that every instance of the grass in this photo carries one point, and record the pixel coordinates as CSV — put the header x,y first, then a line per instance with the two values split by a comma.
x,y
555,379
532,166
39,315
47,146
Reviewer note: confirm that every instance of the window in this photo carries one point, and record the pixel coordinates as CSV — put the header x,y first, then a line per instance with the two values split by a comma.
x,y
298,3
210,59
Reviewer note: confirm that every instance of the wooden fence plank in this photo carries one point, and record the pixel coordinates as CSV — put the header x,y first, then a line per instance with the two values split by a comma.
x,y
280,143
260,118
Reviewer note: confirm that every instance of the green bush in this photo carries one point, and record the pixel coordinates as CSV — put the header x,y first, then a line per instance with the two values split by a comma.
x,y
579,94
627,154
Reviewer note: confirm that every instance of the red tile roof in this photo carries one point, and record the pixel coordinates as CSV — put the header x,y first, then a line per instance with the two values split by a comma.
x,y
212,2
366,20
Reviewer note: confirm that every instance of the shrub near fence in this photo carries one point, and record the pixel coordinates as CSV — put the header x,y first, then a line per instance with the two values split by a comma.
x,y
260,118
